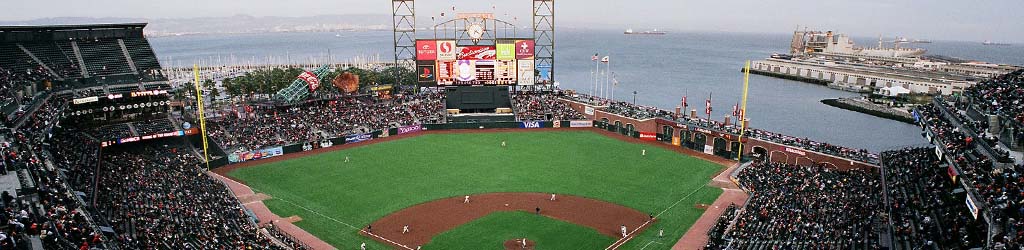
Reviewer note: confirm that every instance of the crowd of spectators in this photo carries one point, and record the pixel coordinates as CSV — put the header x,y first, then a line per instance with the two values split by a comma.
x,y
807,207
641,112
1002,95
716,235
924,207
13,81
1001,187
543,105
264,126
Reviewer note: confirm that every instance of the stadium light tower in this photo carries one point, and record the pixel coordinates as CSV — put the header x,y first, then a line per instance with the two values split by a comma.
x,y
544,35
403,16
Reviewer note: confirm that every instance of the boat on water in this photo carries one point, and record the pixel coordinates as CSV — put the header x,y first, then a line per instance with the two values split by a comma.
x,y
920,41
987,42
810,42
649,32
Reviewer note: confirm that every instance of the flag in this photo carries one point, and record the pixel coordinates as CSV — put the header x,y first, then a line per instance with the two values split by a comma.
x,y
684,102
605,59
707,104
615,81
594,58
736,110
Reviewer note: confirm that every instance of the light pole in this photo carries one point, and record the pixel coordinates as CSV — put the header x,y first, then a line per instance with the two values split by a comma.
x,y
634,97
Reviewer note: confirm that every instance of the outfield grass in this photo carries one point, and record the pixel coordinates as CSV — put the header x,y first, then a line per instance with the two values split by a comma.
x,y
385,177
491,231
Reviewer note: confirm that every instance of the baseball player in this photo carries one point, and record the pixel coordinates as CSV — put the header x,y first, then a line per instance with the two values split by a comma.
x,y
524,242
503,144
552,196
661,233
362,246
405,229
346,158
369,228
466,200
643,152
623,228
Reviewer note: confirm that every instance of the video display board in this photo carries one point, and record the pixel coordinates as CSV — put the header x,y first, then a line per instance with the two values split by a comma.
x,y
443,63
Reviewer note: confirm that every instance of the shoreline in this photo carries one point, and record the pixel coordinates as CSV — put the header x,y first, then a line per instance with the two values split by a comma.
x,y
838,103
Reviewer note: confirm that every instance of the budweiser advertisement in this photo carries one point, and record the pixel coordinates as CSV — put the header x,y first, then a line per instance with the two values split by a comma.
x,y
477,53
446,50
426,50
524,49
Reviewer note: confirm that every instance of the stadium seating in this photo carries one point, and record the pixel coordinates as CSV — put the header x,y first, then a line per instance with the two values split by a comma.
x,y
807,207
542,106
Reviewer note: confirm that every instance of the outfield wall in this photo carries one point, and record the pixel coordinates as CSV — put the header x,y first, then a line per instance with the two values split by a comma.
x,y
701,139
709,140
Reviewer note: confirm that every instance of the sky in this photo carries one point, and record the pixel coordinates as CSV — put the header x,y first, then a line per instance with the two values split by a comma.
x,y
996,20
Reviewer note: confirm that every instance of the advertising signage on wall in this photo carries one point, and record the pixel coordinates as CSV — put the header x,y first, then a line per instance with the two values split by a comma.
x,y
425,72
524,49
445,72
446,50
477,53
507,62
524,72
506,49
426,50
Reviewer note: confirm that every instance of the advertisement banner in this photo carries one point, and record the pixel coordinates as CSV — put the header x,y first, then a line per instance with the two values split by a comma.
x,y
588,110
465,71
445,73
506,49
677,141
708,149
255,154
556,124
425,72
524,72
312,79
446,50
358,138
543,73
529,124
648,136
505,72
477,53
581,124
484,71
524,49
426,50
410,129
972,207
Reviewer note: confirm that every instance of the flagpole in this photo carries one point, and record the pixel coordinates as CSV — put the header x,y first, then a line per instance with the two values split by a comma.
x,y
709,105
607,77
743,109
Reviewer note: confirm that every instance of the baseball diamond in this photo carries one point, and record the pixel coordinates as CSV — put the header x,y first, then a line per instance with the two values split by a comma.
x,y
597,186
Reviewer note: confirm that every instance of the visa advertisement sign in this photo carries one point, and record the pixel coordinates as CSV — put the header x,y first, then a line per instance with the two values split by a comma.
x,y
529,125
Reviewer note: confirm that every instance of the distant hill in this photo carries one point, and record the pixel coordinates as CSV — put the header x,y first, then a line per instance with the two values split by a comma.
x,y
232,24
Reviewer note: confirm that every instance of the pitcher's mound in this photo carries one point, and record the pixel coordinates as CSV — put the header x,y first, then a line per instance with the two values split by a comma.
x,y
517,244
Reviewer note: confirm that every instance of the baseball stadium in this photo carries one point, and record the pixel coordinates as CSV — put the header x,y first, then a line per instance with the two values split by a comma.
x,y
469,143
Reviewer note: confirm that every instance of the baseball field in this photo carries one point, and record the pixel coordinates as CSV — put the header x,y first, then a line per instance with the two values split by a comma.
x,y
421,182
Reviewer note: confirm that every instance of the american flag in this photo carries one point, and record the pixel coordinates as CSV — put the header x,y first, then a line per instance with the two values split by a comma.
x,y
684,102
708,105
594,58
736,110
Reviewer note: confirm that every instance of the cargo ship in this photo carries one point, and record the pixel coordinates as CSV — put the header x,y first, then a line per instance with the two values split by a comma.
x,y
649,32
994,43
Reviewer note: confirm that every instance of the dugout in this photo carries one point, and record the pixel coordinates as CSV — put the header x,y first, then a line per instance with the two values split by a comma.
x,y
478,104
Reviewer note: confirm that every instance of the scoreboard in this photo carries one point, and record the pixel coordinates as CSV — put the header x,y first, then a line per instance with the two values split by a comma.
x,y
443,63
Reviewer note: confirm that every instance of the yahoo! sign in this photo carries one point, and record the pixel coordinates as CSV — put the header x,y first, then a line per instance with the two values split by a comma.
x,y
410,129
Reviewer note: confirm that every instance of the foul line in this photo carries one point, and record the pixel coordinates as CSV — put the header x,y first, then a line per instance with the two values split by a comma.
x,y
631,234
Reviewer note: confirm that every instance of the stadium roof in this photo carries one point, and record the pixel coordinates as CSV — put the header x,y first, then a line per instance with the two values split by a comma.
x,y
16,28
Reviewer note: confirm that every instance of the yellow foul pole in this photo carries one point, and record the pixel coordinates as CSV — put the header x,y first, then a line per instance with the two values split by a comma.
x,y
743,109
202,116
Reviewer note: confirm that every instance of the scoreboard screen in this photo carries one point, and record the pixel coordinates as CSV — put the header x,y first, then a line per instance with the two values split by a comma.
x,y
443,63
